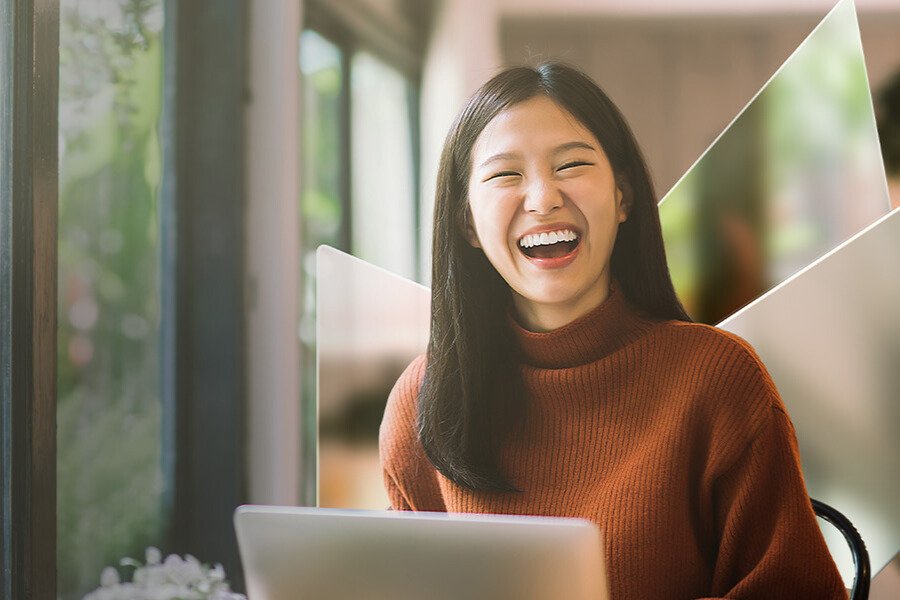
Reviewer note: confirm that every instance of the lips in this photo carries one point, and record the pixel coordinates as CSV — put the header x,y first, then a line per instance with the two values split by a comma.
x,y
554,262
550,246
553,250
549,257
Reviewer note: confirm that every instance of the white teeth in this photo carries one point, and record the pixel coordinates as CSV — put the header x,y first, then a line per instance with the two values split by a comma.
x,y
545,239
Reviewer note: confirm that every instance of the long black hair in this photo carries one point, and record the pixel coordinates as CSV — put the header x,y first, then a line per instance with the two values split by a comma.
x,y
472,392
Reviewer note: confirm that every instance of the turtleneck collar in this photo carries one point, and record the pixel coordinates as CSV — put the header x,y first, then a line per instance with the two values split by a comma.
x,y
611,325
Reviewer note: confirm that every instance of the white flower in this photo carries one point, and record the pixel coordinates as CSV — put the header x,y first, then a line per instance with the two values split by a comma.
x,y
175,578
173,560
109,577
192,570
226,595
151,576
129,562
217,573
127,591
98,594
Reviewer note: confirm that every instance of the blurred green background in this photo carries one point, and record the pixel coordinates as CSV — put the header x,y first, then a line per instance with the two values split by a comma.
x,y
109,477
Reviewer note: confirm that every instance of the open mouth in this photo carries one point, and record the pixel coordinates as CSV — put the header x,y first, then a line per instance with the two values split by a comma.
x,y
553,245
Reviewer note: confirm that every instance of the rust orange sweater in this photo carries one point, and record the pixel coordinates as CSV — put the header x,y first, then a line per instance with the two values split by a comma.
x,y
671,436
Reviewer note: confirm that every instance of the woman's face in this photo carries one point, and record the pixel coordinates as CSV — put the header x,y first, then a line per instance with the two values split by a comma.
x,y
545,209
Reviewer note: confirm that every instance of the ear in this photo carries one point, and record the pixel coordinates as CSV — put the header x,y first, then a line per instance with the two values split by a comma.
x,y
624,199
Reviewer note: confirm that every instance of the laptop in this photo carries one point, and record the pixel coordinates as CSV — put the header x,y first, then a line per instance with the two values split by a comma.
x,y
294,553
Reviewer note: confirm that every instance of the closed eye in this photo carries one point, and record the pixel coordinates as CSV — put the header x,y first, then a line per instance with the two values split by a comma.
x,y
502,174
575,163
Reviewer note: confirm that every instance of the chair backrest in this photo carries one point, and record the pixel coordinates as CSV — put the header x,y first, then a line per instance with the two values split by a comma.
x,y
863,575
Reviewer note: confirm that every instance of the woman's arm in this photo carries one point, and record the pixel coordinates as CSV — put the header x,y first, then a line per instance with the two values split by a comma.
x,y
770,545
409,479
395,494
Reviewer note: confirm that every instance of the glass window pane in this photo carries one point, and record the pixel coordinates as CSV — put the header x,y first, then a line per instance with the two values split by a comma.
x,y
109,474
321,172
383,194
322,189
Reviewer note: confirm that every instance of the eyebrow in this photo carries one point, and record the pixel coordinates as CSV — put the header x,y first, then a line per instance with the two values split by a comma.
x,y
558,150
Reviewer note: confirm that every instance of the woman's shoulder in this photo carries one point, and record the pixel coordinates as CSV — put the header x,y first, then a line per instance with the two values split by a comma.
x,y
406,389
713,349
411,479
398,423
701,333
732,383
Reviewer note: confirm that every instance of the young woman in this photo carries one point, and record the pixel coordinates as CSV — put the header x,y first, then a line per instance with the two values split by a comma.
x,y
563,377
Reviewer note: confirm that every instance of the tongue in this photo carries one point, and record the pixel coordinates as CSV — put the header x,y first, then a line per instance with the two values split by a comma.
x,y
552,251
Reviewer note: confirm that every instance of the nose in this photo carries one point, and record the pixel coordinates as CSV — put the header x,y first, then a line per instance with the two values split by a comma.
x,y
542,197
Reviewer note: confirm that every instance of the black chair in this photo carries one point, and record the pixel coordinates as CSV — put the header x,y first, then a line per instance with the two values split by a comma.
x,y
862,577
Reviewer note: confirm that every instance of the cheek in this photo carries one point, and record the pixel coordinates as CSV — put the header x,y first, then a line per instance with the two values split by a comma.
x,y
597,204
491,217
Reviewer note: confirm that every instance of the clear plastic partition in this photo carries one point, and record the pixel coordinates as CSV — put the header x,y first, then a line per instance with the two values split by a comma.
x,y
797,172
370,325
830,338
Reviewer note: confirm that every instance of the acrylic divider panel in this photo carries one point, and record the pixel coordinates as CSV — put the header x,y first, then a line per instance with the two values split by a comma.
x,y
370,325
796,173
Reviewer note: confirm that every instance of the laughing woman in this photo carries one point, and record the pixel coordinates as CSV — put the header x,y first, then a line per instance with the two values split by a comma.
x,y
563,377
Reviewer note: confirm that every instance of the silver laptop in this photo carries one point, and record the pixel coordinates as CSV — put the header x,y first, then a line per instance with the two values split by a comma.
x,y
292,553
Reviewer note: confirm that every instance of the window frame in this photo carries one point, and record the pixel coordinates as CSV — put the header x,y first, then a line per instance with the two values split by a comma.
x,y
202,333
28,287
202,292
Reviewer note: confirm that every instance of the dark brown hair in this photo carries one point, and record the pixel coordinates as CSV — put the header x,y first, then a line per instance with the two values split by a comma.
x,y
472,392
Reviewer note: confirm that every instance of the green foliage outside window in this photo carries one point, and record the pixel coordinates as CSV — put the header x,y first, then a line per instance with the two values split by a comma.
x,y
109,482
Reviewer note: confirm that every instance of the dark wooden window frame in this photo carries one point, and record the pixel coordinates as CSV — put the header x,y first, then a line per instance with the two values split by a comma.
x,y
29,32
201,209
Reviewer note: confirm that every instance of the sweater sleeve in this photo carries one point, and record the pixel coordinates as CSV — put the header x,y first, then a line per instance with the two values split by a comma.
x,y
409,479
770,545
394,438
395,494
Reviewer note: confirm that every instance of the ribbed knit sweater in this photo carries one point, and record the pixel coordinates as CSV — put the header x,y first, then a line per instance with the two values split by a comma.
x,y
671,436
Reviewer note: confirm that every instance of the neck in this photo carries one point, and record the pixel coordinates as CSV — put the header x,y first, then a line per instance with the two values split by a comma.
x,y
611,325
542,317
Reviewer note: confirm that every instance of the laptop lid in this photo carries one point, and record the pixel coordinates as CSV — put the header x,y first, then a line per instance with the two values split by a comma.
x,y
295,553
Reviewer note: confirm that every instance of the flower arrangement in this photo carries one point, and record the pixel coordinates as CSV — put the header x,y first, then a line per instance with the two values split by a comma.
x,y
174,578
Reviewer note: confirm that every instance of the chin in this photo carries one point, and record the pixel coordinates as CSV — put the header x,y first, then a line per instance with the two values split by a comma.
x,y
549,296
